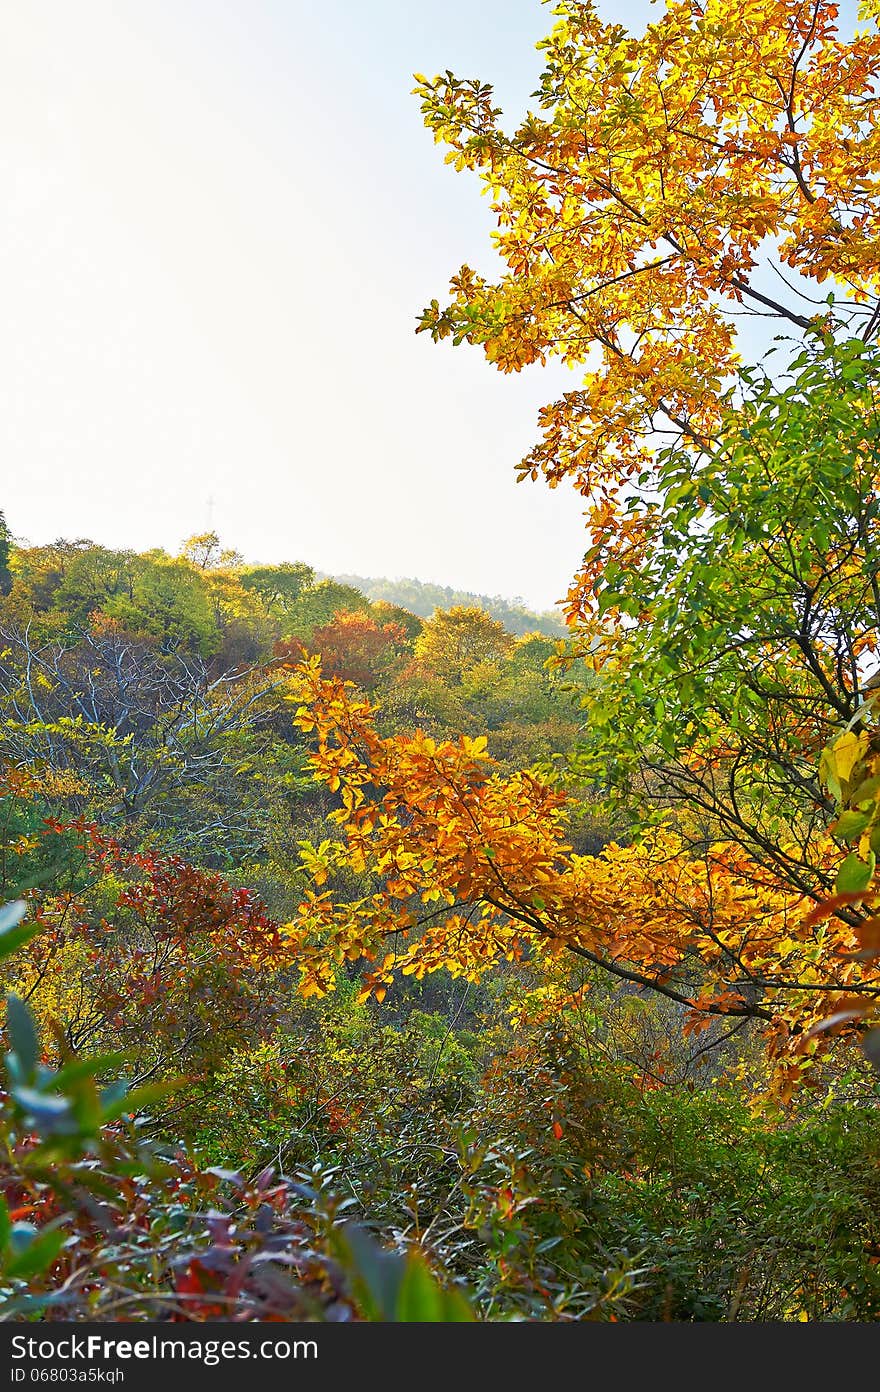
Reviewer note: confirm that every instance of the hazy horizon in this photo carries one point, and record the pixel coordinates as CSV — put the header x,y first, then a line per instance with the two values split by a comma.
x,y
220,224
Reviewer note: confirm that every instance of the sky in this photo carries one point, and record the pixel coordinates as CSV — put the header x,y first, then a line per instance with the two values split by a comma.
x,y
219,222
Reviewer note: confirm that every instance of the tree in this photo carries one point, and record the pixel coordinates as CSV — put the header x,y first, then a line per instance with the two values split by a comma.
x,y
405,619
662,180
153,954
140,732
61,586
279,587
461,867
455,640
201,550
43,573
358,649
728,601
317,604
635,204
731,614
526,709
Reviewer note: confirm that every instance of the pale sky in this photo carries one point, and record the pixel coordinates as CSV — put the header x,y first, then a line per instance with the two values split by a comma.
x,y
219,221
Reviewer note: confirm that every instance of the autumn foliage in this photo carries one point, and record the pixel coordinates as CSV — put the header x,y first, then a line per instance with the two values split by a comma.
x,y
634,204
556,960
473,868
353,646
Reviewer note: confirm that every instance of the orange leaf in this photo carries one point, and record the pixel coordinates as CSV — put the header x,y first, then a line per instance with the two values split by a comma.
x,y
829,907
849,1009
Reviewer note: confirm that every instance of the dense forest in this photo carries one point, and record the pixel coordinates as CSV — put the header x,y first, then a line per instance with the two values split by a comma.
x,y
375,953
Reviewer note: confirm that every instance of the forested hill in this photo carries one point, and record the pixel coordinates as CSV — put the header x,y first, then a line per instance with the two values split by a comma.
x,y
423,598
118,636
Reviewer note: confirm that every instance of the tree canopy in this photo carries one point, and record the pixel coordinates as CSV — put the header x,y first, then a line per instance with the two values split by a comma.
x,y
636,204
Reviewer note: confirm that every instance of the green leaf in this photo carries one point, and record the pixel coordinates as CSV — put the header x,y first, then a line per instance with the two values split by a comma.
x,y
378,1274
74,1072
855,874
23,1034
419,1299
13,933
606,599
140,1098
852,372
866,792
39,1254
5,1224
851,824
456,1308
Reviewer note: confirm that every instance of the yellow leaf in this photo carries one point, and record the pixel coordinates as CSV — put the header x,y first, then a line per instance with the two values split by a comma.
x,y
846,752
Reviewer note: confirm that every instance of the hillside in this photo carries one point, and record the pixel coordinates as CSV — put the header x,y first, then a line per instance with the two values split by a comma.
x,y
423,598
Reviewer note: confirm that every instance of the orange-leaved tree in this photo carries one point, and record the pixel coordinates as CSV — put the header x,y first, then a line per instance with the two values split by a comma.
x,y
355,646
459,867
